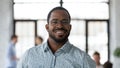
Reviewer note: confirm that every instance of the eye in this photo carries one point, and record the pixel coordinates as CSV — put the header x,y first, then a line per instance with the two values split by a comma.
x,y
54,21
65,22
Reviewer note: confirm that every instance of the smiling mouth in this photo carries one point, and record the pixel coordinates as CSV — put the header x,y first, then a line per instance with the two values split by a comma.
x,y
60,32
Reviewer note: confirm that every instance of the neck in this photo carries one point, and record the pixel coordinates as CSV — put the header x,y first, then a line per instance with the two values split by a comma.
x,y
98,63
54,46
13,42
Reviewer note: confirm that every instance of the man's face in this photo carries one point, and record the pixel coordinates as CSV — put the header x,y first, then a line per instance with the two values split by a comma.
x,y
59,26
15,40
96,58
38,41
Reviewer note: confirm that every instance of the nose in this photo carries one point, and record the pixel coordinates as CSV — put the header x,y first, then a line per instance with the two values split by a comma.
x,y
59,24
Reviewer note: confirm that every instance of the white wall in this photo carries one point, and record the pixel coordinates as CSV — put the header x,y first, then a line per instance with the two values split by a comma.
x,y
115,30
6,27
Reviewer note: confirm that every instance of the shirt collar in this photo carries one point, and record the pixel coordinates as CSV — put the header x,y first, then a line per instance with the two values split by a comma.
x,y
45,47
66,47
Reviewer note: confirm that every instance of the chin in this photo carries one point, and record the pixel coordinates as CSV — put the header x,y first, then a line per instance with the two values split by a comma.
x,y
60,40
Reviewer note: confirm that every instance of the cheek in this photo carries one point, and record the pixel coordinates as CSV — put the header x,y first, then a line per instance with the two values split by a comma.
x,y
68,28
50,29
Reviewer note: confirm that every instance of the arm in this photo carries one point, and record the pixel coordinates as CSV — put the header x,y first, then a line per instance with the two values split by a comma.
x,y
11,52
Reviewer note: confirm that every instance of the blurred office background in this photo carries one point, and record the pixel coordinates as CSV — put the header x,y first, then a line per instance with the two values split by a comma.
x,y
95,25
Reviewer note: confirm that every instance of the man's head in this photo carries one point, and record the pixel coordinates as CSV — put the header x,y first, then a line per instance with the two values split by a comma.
x,y
108,64
38,40
58,25
96,57
58,8
14,38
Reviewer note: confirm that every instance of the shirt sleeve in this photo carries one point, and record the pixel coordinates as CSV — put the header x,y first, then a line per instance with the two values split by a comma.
x,y
88,62
23,61
10,51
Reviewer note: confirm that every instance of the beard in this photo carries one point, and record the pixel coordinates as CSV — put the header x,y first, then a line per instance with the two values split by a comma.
x,y
61,39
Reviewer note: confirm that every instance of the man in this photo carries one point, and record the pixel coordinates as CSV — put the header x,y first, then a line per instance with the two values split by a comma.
x,y
108,64
38,40
11,53
57,52
96,57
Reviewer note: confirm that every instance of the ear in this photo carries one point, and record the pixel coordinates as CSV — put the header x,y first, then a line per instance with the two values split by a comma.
x,y
70,27
47,26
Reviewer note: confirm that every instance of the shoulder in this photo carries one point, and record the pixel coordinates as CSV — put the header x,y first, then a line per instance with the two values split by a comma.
x,y
10,47
83,56
36,49
31,53
10,44
77,51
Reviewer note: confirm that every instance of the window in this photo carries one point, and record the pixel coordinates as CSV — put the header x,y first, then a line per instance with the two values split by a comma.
x,y
77,36
26,33
90,23
98,38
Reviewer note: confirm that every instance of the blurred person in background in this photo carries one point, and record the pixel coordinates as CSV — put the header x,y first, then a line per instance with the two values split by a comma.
x,y
96,57
38,40
11,58
107,64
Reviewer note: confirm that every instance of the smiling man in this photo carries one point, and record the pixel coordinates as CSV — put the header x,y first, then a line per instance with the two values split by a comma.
x,y
57,51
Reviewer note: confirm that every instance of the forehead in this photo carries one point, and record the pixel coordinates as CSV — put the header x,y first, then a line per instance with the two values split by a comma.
x,y
59,13
96,56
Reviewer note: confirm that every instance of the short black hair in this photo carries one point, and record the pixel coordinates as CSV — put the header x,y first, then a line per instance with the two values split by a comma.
x,y
107,64
57,8
96,53
13,36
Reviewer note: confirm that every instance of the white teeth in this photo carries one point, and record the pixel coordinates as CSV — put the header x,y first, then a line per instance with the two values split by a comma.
x,y
59,32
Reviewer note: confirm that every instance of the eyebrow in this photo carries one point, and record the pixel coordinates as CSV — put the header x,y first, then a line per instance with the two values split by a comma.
x,y
54,19
57,19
